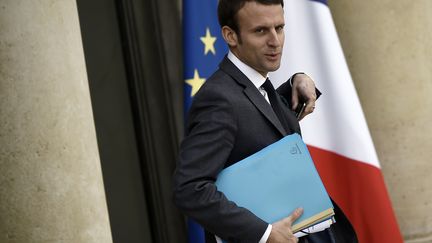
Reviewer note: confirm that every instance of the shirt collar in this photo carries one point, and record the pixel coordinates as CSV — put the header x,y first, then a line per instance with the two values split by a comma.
x,y
255,77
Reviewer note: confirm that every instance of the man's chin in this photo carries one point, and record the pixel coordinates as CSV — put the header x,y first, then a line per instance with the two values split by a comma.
x,y
273,68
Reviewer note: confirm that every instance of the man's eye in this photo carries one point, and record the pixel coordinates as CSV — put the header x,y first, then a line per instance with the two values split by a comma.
x,y
259,30
279,28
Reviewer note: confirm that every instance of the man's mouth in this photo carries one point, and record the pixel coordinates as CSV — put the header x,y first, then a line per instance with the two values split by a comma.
x,y
273,56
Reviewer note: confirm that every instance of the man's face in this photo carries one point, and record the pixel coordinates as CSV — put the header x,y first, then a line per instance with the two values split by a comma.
x,y
260,40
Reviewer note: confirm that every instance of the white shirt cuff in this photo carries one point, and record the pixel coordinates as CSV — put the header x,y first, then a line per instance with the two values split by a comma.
x,y
266,234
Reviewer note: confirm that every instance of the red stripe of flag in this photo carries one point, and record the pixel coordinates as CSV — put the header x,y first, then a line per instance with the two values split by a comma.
x,y
359,190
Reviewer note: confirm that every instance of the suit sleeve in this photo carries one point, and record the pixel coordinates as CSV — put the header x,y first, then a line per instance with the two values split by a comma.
x,y
209,140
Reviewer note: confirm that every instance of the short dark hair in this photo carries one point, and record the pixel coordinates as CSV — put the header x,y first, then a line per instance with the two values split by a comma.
x,y
228,9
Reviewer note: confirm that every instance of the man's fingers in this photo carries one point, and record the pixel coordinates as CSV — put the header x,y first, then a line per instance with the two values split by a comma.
x,y
303,89
294,99
310,107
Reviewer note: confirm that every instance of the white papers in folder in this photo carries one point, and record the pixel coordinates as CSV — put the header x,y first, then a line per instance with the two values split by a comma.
x,y
313,229
316,228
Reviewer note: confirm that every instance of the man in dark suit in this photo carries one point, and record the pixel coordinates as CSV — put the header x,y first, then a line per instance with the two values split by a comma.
x,y
235,114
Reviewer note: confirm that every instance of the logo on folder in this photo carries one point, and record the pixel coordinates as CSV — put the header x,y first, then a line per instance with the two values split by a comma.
x,y
295,149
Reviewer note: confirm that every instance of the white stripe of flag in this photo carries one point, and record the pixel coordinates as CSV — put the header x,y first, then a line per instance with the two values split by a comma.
x,y
337,133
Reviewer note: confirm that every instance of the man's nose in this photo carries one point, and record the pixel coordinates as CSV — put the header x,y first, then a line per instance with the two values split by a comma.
x,y
274,38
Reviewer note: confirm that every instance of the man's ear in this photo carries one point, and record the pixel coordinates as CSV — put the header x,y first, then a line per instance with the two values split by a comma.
x,y
230,36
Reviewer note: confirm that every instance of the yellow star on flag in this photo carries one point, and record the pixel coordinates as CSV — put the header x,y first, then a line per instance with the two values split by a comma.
x,y
196,82
208,41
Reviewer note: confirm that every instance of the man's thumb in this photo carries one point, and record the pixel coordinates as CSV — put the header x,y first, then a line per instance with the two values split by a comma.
x,y
295,215
294,99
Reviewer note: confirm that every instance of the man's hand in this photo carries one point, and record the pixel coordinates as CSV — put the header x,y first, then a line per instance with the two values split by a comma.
x,y
281,231
303,89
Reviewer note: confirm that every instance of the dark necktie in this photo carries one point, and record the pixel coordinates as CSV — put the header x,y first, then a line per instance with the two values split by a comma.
x,y
271,92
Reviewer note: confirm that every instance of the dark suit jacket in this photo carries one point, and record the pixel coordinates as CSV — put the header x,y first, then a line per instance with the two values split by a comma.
x,y
229,120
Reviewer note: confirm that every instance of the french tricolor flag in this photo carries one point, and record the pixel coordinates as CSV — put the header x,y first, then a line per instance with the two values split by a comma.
x,y
336,133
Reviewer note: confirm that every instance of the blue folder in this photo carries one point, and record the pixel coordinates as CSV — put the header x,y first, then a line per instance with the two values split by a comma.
x,y
275,181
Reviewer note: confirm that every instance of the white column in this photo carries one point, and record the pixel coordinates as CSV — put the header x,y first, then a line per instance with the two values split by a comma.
x,y
51,187
388,48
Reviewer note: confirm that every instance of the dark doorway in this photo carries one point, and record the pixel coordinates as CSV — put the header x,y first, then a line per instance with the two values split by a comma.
x,y
133,58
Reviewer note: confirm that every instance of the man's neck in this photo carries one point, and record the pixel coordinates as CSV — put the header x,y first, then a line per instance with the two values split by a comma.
x,y
244,63
254,76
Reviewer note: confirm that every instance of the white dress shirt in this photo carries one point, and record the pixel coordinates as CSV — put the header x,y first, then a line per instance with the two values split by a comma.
x,y
255,77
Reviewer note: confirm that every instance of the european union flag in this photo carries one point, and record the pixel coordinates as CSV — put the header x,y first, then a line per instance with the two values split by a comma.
x,y
203,49
203,45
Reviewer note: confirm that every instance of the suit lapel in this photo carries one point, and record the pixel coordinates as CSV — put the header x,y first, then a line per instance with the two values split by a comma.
x,y
264,107
253,94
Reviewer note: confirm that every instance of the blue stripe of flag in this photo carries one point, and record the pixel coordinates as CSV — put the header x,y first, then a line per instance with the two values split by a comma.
x,y
198,15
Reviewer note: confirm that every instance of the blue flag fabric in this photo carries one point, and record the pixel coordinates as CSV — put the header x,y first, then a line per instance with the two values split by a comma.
x,y
203,45
203,49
